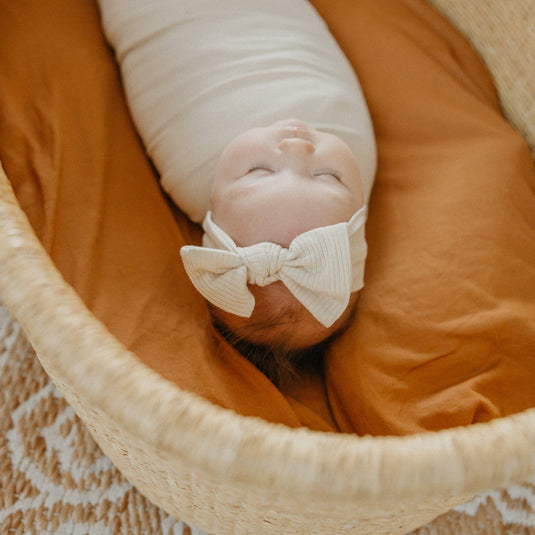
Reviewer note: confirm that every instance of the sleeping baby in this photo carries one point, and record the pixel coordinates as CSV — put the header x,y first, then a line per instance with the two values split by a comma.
x,y
259,129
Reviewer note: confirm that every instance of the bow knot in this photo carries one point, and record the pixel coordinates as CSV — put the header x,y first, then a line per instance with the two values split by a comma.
x,y
264,262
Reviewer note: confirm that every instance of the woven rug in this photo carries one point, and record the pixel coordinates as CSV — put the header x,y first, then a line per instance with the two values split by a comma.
x,y
54,478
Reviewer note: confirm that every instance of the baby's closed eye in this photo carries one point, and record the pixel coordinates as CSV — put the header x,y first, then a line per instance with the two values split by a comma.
x,y
259,167
329,173
262,169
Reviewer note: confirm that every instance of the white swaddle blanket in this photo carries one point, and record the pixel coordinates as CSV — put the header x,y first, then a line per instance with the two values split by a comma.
x,y
199,72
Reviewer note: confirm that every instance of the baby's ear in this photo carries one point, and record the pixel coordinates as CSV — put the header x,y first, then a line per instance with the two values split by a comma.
x,y
359,194
214,197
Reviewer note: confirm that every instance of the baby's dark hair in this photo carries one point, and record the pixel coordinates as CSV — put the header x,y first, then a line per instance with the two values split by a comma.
x,y
281,338
278,361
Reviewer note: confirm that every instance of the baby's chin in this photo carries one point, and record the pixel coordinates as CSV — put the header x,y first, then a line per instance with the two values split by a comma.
x,y
280,320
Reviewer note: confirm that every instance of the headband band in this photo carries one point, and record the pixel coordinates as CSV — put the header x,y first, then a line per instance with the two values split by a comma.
x,y
321,267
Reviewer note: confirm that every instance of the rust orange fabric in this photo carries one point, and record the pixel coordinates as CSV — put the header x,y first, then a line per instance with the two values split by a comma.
x,y
445,328
71,151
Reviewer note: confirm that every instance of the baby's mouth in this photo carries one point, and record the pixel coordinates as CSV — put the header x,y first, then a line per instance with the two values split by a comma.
x,y
294,128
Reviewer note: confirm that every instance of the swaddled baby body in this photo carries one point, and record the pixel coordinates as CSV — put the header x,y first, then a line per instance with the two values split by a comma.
x,y
258,126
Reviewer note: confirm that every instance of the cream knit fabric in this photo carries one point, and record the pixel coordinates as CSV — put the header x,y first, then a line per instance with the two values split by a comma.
x,y
321,268
199,72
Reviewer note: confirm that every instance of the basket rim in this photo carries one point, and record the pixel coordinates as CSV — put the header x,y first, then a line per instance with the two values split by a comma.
x,y
247,450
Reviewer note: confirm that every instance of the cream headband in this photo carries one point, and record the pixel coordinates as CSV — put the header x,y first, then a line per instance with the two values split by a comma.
x,y
321,267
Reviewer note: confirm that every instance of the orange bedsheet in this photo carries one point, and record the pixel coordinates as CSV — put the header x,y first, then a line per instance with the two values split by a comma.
x,y
445,329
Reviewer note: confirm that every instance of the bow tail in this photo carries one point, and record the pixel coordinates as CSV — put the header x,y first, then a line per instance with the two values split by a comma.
x,y
220,278
325,304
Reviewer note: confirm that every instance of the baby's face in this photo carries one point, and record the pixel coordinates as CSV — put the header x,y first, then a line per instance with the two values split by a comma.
x,y
276,182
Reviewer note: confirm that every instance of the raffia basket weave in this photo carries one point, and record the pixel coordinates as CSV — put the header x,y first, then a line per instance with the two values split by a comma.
x,y
228,474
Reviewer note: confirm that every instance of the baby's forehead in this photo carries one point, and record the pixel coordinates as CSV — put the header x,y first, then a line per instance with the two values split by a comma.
x,y
279,213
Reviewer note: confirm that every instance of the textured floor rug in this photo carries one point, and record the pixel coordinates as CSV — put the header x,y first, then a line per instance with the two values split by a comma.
x,y
54,478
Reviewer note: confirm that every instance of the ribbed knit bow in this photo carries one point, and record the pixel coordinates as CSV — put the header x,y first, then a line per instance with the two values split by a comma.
x,y
321,268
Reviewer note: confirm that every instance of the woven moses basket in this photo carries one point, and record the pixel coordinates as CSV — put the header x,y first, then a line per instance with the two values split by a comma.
x,y
229,474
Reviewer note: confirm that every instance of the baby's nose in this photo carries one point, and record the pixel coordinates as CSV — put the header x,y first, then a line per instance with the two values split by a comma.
x,y
296,146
